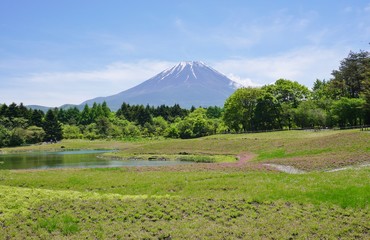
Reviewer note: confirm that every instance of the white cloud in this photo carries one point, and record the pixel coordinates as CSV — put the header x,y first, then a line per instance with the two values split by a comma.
x,y
57,88
303,65
246,82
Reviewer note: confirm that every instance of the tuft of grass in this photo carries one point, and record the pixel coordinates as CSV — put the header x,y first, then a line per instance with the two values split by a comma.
x,y
66,224
69,225
50,224
281,153
197,159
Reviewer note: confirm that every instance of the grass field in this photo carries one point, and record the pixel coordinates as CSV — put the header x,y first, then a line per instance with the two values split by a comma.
x,y
221,200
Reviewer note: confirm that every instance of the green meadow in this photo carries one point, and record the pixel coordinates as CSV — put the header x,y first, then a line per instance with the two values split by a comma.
x,y
216,197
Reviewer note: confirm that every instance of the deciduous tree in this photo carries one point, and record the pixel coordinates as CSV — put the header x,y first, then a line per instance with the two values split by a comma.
x,y
239,109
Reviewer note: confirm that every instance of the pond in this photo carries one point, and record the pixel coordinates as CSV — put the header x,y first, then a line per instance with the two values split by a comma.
x,y
71,159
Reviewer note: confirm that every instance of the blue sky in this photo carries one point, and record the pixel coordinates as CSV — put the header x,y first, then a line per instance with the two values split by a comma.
x,y
57,52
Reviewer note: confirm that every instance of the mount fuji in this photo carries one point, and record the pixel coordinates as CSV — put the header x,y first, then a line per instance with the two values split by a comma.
x,y
187,84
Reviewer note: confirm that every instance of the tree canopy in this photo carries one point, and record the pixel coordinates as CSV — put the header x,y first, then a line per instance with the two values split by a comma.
x,y
240,109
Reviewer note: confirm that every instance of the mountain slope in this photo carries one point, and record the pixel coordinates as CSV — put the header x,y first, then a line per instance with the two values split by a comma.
x,y
187,83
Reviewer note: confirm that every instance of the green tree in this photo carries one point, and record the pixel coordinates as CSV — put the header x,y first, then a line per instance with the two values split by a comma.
x,y
71,132
202,126
131,130
159,126
34,134
6,123
106,111
349,111
19,122
36,118
287,91
214,112
352,77
91,132
239,109
52,127
172,131
69,116
267,112
308,115
4,136
196,124
17,137
3,110
163,111
287,115
85,117
103,126
124,112
12,111
185,129
142,115
95,112
177,111
321,90
24,112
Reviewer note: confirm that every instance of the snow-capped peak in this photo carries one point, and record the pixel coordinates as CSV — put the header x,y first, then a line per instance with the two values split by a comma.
x,y
183,65
193,72
177,69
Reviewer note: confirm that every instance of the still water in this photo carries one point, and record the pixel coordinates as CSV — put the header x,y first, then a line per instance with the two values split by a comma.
x,y
71,159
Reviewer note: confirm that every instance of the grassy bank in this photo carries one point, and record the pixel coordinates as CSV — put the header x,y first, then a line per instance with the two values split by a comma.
x,y
197,201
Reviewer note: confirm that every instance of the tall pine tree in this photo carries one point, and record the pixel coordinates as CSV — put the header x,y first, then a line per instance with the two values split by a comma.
x,y
52,128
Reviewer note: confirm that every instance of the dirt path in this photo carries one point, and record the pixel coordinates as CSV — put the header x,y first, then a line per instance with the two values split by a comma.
x,y
243,159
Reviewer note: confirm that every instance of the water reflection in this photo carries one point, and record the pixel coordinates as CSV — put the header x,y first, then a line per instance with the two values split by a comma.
x,y
70,159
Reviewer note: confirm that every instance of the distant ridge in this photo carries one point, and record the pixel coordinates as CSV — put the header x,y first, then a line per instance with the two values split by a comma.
x,y
45,109
38,107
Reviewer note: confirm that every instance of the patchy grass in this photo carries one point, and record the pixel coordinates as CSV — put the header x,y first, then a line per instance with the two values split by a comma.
x,y
255,185
122,204
185,218
66,224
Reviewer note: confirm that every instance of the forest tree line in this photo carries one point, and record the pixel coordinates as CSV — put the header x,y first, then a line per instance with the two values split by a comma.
x,y
342,101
